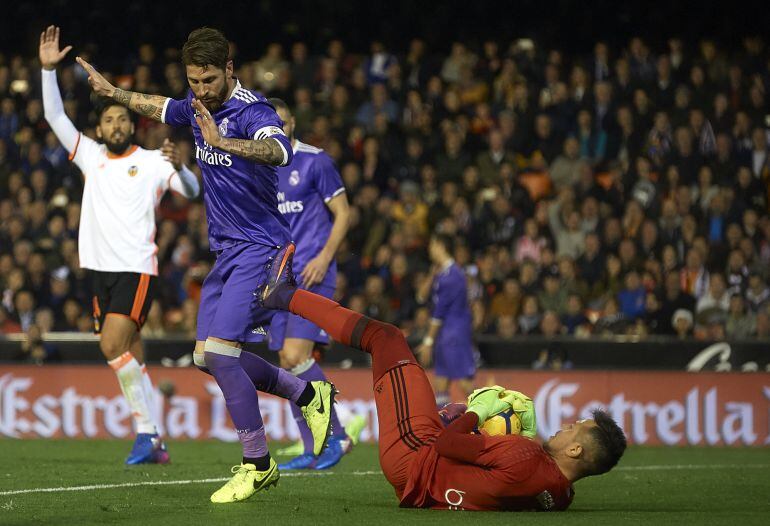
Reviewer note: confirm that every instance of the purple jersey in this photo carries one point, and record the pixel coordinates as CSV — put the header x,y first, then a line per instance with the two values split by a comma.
x,y
240,195
450,301
453,355
304,188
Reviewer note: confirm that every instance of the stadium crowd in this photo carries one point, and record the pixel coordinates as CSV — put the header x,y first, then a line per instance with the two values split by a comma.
x,y
623,192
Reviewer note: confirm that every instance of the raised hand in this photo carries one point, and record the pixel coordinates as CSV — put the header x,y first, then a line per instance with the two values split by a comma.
x,y
170,152
205,121
50,55
98,83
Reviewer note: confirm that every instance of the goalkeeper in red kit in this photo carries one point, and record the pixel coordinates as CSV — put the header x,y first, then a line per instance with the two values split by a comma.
x,y
431,466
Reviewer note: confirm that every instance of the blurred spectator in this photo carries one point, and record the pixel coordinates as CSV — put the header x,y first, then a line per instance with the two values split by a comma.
x,y
35,350
682,323
632,297
574,319
507,301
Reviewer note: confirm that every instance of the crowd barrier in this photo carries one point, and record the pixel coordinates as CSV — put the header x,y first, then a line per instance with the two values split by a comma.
x,y
617,353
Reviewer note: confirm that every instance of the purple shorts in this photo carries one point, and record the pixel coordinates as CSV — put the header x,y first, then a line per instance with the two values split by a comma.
x,y
288,325
229,308
453,357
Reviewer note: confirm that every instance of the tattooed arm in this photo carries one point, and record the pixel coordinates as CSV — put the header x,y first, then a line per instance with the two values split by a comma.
x,y
262,151
150,106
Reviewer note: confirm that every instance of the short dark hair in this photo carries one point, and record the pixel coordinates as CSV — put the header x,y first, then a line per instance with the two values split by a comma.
x,y
105,103
446,241
279,104
608,444
206,46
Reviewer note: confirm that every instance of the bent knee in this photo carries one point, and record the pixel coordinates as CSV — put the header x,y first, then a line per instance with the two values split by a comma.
x,y
111,349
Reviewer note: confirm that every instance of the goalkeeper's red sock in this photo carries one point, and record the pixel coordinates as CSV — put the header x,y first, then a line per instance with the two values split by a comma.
x,y
383,341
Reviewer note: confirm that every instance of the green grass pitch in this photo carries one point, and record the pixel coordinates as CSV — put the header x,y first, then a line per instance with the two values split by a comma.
x,y
651,486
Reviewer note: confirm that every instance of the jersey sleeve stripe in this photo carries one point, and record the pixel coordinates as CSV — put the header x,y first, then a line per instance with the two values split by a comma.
x,y
247,95
337,192
163,113
285,153
75,149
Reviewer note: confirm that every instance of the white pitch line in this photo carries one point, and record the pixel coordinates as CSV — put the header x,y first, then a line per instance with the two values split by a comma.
x,y
655,467
171,482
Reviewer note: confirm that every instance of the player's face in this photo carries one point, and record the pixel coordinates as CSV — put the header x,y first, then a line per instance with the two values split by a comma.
x,y
288,122
569,435
210,84
115,129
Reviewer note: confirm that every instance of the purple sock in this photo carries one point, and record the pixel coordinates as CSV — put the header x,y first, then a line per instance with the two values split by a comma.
x,y
314,373
241,401
268,378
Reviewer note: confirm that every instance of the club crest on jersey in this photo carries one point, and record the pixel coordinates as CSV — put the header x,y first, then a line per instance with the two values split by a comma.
x,y
294,178
133,171
223,126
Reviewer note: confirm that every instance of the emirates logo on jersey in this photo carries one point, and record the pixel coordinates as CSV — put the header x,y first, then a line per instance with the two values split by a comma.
x,y
133,171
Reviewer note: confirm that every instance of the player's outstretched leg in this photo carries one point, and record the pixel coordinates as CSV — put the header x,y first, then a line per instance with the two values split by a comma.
x,y
310,397
405,401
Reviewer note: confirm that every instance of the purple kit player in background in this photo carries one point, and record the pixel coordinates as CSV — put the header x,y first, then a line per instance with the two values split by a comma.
x,y
239,141
451,328
312,198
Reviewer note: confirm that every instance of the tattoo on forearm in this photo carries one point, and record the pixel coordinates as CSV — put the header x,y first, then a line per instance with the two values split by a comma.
x,y
148,105
122,97
265,151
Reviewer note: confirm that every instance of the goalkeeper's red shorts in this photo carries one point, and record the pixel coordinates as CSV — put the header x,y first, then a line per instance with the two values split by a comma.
x,y
406,409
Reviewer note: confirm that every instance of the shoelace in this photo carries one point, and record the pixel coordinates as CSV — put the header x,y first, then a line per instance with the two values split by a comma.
x,y
238,469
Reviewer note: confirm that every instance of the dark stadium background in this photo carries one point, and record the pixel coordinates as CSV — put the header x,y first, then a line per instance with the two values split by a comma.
x,y
117,25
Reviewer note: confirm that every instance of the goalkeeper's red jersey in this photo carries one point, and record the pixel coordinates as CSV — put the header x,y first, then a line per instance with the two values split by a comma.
x,y
462,471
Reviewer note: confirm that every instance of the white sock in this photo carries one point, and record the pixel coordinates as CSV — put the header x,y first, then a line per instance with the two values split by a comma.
x,y
152,398
129,374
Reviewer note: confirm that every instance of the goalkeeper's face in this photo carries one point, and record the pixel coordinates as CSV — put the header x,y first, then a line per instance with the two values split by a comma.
x,y
210,84
571,439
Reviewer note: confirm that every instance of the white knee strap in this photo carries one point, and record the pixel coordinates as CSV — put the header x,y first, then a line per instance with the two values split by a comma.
x,y
221,348
301,368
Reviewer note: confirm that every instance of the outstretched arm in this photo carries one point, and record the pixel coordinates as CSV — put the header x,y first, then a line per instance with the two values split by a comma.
x,y
263,151
151,106
50,56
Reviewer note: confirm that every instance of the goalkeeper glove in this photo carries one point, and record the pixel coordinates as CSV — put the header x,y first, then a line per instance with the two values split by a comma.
x,y
524,408
486,402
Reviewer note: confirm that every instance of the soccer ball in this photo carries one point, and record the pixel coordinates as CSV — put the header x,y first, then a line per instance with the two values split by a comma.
x,y
503,423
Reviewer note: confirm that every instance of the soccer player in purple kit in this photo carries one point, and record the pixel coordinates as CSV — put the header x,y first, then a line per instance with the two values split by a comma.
x,y
449,342
239,141
312,198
